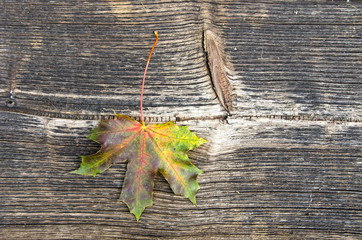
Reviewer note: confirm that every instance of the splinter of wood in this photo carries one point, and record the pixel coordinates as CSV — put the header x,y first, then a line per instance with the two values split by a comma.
x,y
218,70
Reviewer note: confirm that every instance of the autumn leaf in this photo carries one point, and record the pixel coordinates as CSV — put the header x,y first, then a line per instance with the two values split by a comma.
x,y
148,149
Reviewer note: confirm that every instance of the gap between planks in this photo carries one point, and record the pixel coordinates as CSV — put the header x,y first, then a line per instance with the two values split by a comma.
x,y
159,119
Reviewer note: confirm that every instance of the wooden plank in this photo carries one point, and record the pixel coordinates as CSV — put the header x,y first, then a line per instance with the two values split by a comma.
x,y
262,176
285,164
67,59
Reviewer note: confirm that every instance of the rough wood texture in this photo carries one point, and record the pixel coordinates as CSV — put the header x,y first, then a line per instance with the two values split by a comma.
x,y
286,164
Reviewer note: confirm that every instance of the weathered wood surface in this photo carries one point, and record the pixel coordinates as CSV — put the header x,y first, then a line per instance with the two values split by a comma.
x,y
286,164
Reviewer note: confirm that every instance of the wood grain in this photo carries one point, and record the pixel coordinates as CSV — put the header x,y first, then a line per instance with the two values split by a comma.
x,y
285,165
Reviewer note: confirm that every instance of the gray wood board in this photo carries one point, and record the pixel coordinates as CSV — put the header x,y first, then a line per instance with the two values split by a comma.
x,y
287,58
286,164
262,176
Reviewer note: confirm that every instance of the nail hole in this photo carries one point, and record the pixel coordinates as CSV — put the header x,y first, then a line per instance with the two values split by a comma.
x,y
11,103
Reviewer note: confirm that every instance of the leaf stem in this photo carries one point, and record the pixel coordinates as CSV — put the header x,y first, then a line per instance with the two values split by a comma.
x,y
144,77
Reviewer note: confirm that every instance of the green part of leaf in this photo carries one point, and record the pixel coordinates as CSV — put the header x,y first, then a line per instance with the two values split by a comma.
x,y
148,149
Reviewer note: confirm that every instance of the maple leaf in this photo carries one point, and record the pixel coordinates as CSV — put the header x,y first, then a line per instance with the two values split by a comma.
x,y
148,149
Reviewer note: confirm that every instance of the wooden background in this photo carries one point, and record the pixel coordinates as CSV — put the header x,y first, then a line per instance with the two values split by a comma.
x,y
286,164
